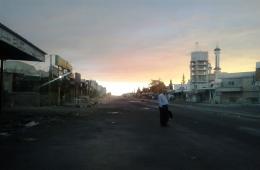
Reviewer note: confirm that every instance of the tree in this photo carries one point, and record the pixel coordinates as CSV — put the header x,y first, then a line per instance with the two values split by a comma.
x,y
138,91
145,90
156,86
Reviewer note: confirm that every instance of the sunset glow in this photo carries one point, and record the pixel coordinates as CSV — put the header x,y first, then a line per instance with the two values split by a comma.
x,y
119,88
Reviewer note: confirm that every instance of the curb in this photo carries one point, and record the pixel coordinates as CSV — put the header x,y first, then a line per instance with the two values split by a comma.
x,y
245,115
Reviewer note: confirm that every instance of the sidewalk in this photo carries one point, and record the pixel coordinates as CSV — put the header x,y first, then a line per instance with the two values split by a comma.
x,y
251,111
248,111
224,105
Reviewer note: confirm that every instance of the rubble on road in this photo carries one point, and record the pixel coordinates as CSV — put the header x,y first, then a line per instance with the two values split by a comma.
x,y
30,139
113,113
113,123
31,124
5,134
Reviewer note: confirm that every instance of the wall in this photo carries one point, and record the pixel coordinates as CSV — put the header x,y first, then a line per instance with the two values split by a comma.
x,y
241,90
8,82
22,99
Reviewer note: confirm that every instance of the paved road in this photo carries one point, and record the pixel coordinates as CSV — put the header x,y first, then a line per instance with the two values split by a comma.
x,y
125,134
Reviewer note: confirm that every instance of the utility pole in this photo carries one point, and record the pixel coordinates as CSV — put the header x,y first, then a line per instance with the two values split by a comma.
x,y
50,71
59,86
1,85
50,78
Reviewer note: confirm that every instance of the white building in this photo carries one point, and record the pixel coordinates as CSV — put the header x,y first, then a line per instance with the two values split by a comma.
x,y
219,87
199,70
236,88
257,76
181,87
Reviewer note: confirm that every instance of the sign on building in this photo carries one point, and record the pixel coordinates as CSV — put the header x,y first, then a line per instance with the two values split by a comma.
x,y
62,63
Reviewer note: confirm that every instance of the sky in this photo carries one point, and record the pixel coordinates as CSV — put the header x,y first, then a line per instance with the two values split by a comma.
x,y
123,44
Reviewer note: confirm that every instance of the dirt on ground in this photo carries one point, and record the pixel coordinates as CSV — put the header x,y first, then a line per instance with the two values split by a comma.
x,y
124,133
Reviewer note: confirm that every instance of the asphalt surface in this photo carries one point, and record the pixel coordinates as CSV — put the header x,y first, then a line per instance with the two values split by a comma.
x,y
125,133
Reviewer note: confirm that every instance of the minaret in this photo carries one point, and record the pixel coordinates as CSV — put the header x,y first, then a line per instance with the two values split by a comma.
x,y
217,59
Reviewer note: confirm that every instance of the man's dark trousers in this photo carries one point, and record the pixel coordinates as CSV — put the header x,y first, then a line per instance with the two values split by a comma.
x,y
164,115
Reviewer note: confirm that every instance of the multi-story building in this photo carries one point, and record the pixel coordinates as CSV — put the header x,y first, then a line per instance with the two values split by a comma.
x,y
199,69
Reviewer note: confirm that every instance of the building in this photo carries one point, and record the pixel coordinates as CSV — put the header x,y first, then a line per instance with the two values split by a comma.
x,y
101,90
217,68
181,87
21,83
257,74
200,76
257,79
15,47
236,88
221,87
199,69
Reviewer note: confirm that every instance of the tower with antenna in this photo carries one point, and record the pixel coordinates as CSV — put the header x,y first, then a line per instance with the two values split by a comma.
x,y
217,59
199,68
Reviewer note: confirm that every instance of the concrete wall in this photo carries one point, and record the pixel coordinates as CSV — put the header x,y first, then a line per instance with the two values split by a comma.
x,y
244,85
230,97
231,83
236,97
8,82
22,99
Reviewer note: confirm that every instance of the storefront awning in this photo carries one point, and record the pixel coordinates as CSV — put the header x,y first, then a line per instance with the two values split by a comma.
x,y
233,89
15,47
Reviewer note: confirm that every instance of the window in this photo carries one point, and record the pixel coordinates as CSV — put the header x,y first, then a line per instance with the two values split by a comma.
x,y
231,83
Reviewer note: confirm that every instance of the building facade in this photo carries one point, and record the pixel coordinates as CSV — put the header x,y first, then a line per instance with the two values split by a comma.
x,y
219,87
199,69
236,88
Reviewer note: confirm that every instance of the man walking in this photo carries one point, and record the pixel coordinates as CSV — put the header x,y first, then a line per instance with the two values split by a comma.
x,y
163,107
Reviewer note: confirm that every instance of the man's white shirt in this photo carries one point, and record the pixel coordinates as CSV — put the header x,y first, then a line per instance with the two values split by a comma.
x,y
162,100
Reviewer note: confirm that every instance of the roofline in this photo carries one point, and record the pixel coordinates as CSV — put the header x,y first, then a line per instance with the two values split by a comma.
x,y
19,36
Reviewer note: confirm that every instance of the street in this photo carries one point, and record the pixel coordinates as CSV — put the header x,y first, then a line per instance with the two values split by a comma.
x,y
124,133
